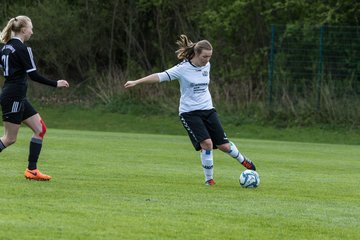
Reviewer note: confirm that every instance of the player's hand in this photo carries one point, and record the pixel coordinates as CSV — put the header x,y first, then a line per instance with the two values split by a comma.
x,y
62,83
129,84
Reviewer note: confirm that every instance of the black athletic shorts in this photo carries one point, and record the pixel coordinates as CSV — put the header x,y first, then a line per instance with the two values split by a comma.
x,y
16,111
203,124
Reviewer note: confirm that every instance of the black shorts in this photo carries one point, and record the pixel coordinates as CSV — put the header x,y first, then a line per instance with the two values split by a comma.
x,y
16,111
204,124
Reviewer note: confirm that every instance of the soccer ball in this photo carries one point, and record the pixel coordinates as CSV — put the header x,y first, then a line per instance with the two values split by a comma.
x,y
249,179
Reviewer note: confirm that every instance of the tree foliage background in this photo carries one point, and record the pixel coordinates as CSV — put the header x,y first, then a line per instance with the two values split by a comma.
x,y
98,45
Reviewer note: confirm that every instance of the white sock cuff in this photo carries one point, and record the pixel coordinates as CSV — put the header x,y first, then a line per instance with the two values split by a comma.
x,y
233,149
235,153
206,155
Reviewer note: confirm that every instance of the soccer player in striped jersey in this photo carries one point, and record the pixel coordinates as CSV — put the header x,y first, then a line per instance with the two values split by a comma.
x,y
196,110
17,62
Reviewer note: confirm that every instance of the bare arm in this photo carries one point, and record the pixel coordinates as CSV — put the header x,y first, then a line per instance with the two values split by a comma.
x,y
153,78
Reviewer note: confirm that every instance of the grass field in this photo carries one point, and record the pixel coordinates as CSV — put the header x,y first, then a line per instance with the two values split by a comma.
x,y
142,186
99,119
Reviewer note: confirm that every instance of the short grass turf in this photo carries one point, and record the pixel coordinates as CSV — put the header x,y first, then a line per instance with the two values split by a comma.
x,y
142,186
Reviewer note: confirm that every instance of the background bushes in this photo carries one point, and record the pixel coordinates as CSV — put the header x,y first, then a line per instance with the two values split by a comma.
x,y
98,45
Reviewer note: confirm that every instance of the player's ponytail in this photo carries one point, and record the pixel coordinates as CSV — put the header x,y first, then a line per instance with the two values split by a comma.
x,y
6,32
14,25
187,48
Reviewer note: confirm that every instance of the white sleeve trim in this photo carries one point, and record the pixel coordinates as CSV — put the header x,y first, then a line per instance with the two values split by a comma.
x,y
32,60
31,70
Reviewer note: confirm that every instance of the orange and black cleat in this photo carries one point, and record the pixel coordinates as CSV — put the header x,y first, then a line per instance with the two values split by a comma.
x,y
248,164
210,182
36,175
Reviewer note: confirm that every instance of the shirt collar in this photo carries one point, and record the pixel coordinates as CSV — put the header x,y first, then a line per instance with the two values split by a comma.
x,y
17,38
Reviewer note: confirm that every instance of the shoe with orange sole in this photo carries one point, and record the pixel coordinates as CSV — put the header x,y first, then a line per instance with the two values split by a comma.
x,y
210,182
36,175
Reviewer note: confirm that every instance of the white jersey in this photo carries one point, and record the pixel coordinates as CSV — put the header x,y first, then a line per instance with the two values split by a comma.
x,y
194,85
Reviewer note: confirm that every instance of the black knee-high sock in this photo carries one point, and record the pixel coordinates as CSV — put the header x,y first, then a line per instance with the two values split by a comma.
x,y
35,149
2,146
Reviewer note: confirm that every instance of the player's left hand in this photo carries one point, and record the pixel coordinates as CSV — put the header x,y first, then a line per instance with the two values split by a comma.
x,y
62,83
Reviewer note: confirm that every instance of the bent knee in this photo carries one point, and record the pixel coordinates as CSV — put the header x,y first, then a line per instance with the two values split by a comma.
x,y
224,147
207,144
41,129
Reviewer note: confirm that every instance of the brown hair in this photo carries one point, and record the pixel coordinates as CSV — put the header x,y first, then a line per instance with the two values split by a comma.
x,y
187,48
14,26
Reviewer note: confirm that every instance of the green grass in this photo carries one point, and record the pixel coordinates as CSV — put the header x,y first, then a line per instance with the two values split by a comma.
x,y
99,119
148,186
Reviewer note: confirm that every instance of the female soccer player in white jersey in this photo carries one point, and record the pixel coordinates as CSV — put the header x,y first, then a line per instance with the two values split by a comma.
x,y
17,61
197,113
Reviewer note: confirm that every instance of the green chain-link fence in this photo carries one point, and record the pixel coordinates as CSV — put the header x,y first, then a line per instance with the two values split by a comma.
x,y
314,68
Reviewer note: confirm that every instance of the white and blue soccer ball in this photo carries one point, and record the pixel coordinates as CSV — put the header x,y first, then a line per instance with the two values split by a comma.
x,y
249,179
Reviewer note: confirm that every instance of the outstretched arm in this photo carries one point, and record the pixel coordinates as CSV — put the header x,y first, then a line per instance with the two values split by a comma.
x,y
153,78
40,79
